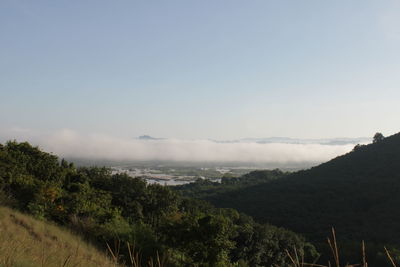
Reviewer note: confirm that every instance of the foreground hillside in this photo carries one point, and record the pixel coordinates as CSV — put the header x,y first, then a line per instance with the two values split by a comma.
x,y
25,242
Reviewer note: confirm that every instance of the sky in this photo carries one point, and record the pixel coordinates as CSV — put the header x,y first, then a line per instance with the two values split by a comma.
x,y
207,69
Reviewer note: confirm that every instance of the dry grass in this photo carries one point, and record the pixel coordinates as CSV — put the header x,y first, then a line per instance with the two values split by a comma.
x,y
26,242
296,261
135,258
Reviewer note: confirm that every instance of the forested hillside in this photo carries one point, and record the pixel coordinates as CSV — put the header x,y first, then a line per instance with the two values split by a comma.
x,y
117,209
206,189
357,193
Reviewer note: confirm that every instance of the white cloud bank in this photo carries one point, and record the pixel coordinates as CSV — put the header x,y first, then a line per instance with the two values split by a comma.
x,y
69,143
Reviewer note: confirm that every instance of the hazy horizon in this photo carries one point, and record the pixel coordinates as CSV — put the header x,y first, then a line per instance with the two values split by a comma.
x,y
72,144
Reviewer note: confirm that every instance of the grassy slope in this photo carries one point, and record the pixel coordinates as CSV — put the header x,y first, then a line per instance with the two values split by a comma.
x,y
25,241
358,193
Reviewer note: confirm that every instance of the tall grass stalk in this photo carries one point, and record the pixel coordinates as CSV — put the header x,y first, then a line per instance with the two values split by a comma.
x,y
332,242
135,257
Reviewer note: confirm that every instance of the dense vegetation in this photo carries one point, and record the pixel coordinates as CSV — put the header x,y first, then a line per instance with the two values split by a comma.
x,y
105,208
206,189
357,193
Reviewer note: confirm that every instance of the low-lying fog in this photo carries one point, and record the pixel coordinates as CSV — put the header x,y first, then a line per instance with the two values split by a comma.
x,y
71,144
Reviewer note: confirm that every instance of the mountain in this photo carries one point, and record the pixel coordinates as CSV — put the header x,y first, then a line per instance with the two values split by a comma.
x,y
287,140
148,137
357,193
284,140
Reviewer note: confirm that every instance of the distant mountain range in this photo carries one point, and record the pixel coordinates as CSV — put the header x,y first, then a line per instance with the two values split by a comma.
x,y
284,140
326,141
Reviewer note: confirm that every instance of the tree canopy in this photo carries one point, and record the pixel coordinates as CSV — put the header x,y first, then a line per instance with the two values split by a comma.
x,y
106,207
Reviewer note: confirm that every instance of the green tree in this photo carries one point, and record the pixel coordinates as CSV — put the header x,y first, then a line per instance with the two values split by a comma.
x,y
378,137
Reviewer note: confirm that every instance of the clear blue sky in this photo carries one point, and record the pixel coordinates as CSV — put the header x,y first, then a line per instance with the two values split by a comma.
x,y
201,69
